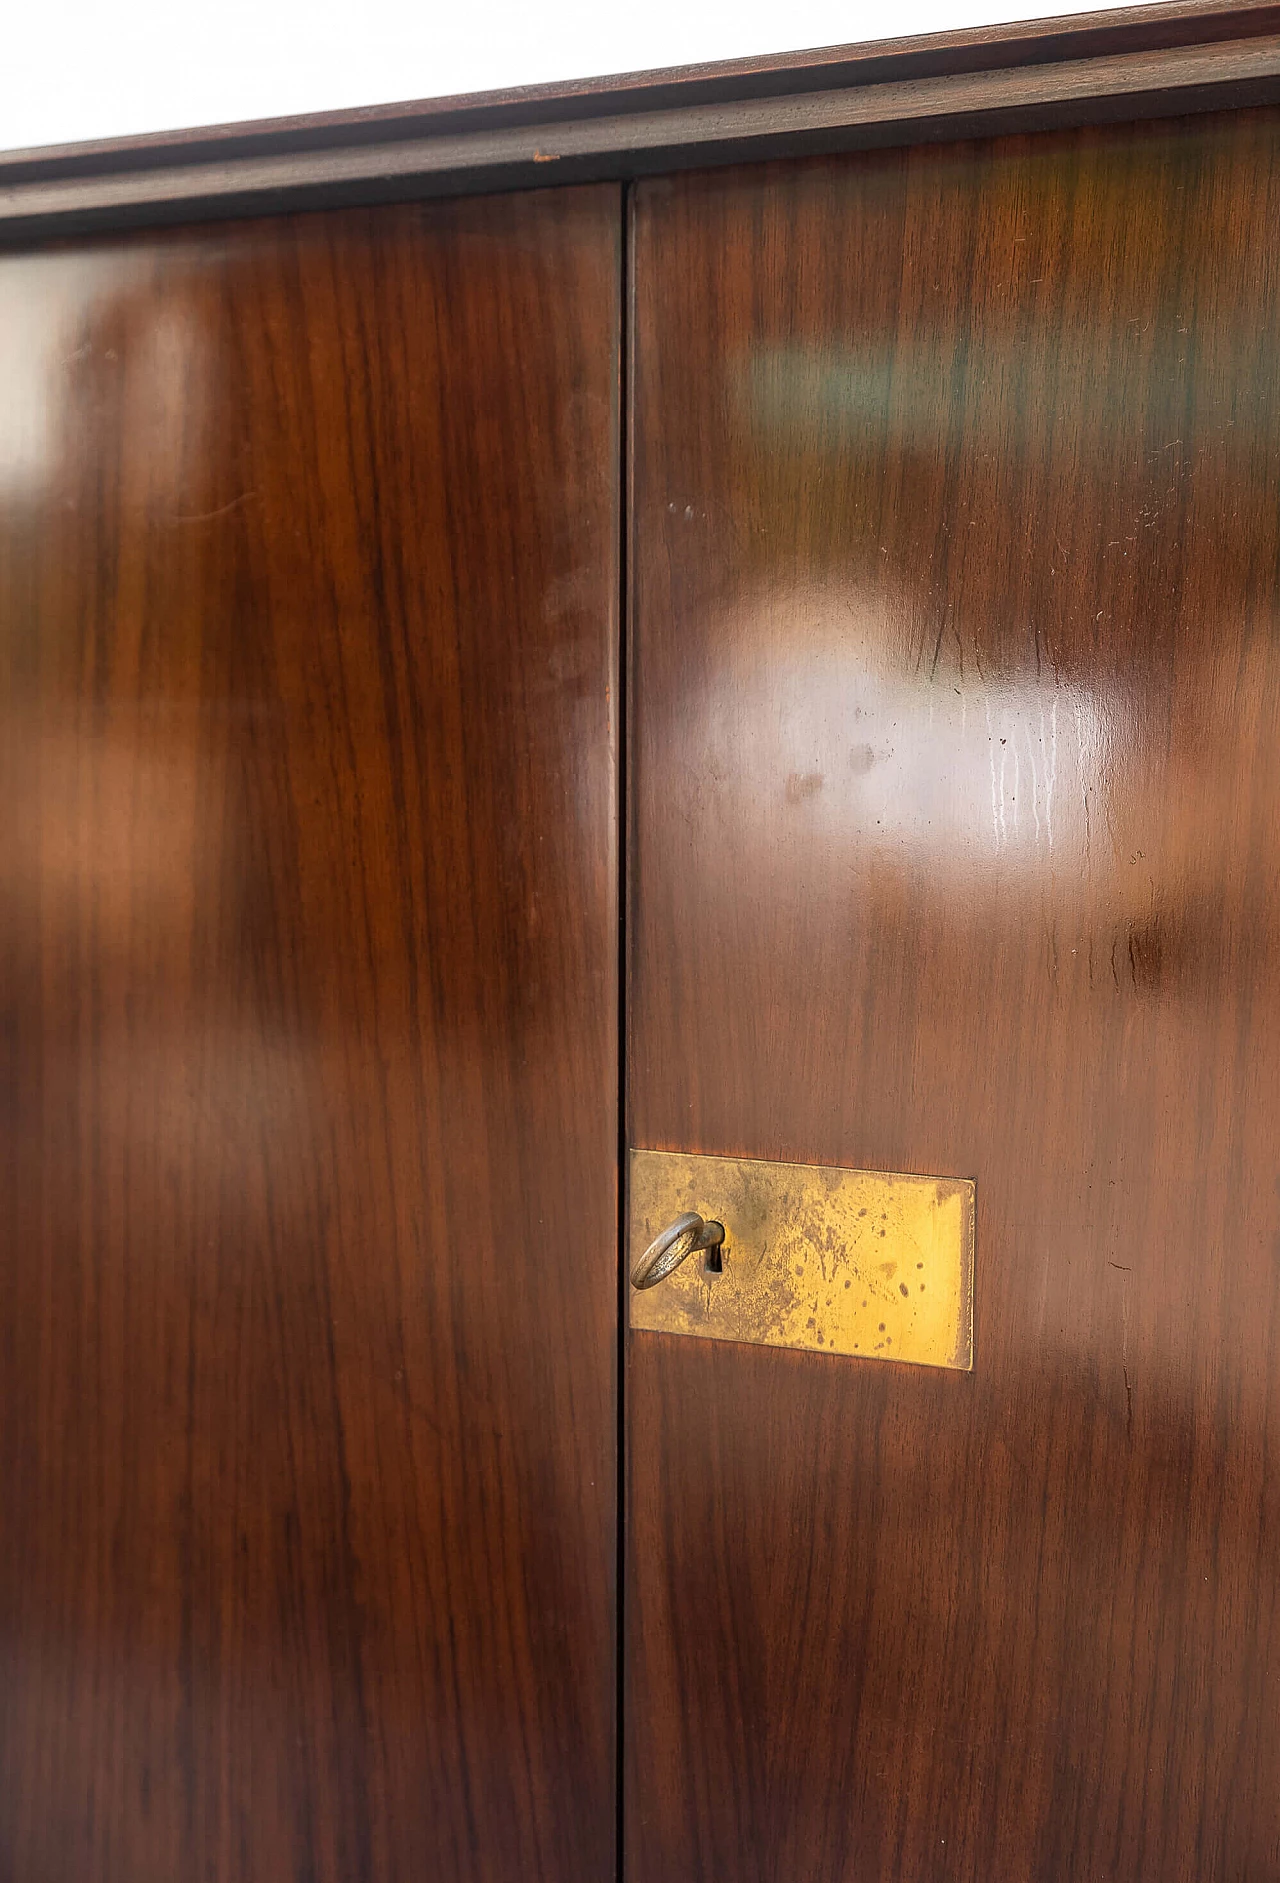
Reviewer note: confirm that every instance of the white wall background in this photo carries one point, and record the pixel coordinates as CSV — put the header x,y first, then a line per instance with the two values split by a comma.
x,y
76,69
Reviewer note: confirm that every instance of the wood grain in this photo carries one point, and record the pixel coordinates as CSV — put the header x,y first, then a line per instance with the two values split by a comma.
x,y
308,586
956,849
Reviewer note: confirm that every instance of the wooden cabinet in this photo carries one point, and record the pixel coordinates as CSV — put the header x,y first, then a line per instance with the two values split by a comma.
x,y
860,573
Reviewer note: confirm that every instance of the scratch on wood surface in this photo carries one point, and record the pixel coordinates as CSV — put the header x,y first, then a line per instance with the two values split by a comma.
x,y
208,516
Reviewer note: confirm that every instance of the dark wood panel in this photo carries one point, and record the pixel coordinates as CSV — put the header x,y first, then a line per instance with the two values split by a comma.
x,y
957,850
308,1298
1130,62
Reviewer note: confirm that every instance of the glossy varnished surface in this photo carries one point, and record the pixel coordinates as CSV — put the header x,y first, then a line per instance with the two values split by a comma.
x,y
307,1437
957,849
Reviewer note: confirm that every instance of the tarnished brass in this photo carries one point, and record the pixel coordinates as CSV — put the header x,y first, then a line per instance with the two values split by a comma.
x,y
837,1261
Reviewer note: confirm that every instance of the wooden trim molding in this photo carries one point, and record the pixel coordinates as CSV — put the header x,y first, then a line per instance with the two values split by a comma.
x,y
1145,61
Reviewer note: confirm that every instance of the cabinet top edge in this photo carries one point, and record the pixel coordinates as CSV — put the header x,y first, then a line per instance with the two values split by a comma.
x,y
1165,58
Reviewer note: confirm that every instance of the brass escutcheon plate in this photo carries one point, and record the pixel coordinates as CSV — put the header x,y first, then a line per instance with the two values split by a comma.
x,y
854,1262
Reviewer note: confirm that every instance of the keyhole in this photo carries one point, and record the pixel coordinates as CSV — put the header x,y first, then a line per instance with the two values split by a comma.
x,y
713,1258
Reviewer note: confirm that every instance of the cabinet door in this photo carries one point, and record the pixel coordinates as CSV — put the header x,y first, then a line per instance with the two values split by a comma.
x,y
308,938
957,851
